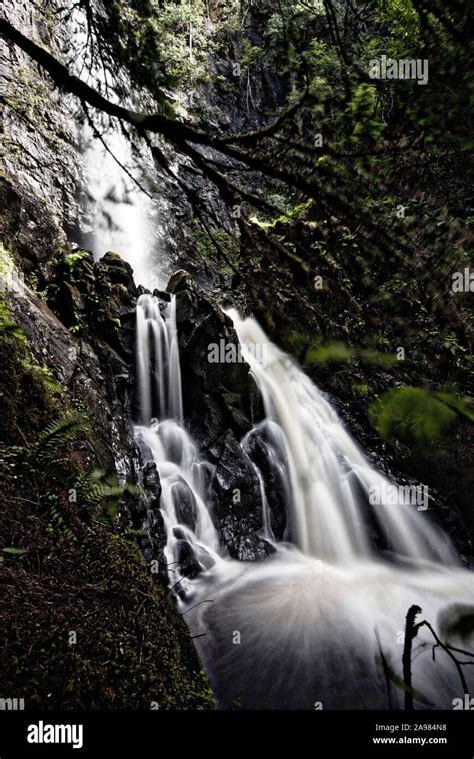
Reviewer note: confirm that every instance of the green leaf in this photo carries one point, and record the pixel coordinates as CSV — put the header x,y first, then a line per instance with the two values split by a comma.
x,y
411,414
14,551
330,353
53,438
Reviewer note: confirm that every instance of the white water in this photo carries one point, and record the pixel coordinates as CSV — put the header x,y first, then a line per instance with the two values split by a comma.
x,y
183,474
117,215
327,472
120,215
159,376
293,632
304,627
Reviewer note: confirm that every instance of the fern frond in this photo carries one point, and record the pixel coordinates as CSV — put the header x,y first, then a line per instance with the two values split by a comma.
x,y
52,439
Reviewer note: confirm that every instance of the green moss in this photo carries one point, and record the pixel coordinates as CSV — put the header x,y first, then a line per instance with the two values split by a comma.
x,y
132,649
293,212
30,393
221,244
71,573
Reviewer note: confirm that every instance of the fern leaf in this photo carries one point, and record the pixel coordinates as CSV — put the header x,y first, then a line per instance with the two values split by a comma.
x,y
52,439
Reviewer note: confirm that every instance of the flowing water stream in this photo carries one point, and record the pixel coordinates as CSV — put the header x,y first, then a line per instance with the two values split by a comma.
x,y
310,626
320,622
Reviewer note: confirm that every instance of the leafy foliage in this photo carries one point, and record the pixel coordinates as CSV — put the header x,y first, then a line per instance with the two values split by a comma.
x,y
8,327
52,439
330,353
413,414
96,488
73,259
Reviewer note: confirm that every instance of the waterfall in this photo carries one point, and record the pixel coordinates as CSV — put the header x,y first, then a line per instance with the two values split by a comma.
x,y
120,215
317,623
184,476
158,371
118,211
325,477
320,621
327,472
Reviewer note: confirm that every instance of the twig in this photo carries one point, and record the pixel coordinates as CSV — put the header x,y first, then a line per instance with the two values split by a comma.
x,y
209,601
109,151
410,633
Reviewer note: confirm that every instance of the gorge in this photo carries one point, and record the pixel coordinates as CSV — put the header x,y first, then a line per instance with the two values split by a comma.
x,y
272,504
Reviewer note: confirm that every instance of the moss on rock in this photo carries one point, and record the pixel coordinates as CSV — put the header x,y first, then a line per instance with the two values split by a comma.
x,y
85,625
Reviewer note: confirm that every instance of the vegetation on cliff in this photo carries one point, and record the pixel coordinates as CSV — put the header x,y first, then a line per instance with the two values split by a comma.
x,y
85,623
332,202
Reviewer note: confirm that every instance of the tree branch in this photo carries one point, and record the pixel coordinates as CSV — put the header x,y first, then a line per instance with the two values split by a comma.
x,y
155,122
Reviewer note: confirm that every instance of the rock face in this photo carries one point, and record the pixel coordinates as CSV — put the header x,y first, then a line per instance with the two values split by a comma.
x,y
221,404
92,364
82,325
216,394
237,500
40,159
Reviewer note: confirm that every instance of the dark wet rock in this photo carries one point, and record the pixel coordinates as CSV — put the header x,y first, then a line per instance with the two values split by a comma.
x,y
180,280
217,396
236,499
141,290
275,489
162,295
187,562
152,484
184,503
116,297
145,513
245,547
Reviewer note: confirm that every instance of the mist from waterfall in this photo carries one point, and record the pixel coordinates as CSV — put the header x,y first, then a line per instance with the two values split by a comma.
x,y
117,207
120,215
310,626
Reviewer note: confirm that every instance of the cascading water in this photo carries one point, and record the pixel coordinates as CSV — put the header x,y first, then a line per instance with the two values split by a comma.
x,y
184,476
327,473
309,626
117,214
159,376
